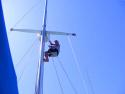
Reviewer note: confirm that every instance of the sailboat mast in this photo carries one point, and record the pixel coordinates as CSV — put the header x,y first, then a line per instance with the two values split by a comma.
x,y
39,84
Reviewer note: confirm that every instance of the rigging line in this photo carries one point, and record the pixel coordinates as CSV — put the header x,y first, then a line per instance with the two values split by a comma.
x,y
22,73
90,82
62,92
29,49
70,82
77,65
24,69
19,79
26,13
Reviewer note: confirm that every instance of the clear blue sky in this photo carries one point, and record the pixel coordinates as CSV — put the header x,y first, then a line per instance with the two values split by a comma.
x,y
99,44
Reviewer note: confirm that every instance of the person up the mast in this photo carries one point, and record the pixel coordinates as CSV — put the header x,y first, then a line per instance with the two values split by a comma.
x,y
53,51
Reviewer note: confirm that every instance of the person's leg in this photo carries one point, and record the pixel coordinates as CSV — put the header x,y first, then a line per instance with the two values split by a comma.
x,y
53,53
46,59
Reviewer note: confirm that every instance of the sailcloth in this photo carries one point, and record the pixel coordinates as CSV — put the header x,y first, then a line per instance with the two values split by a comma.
x,y
8,80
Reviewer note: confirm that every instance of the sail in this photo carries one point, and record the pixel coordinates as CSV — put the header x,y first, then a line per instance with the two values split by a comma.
x,y
8,80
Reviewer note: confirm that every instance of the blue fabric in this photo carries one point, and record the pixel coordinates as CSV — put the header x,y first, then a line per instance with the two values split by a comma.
x,y
8,80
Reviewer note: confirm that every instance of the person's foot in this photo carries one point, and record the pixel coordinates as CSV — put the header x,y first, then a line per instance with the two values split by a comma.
x,y
46,60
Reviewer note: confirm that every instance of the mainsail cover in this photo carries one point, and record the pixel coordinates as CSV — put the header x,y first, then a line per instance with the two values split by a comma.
x,y
8,80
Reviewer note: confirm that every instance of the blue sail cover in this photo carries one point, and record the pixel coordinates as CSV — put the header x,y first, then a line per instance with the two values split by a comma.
x,y
8,80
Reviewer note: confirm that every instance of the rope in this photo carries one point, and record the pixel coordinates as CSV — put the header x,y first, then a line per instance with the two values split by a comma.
x,y
77,64
25,66
29,49
19,79
70,82
26,13
62,92
90,82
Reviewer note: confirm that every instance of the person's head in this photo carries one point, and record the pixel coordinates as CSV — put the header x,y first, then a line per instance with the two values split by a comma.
x,y
56,42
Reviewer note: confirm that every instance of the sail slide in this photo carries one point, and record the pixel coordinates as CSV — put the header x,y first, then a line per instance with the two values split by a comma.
x,y
8,80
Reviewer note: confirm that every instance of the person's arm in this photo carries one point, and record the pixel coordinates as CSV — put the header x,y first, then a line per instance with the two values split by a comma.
x,y
51,43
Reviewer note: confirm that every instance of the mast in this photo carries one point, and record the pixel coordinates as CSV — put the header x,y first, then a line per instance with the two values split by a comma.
x,y
39,84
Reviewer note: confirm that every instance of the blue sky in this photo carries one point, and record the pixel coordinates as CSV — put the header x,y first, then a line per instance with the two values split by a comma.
x,y
99,44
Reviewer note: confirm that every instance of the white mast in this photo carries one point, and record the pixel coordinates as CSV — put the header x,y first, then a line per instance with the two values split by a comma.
x,y
39,83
